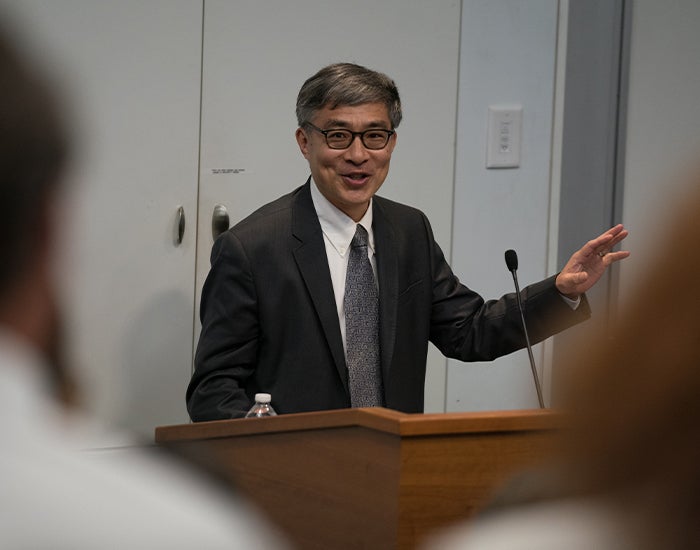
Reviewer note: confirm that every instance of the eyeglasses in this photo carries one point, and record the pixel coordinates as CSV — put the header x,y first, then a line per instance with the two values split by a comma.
x,y
337,138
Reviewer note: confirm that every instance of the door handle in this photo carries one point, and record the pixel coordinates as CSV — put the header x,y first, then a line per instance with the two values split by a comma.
x,y
219,220
180,224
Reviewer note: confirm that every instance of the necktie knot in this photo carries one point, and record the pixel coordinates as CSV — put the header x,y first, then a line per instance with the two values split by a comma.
x,y
360,238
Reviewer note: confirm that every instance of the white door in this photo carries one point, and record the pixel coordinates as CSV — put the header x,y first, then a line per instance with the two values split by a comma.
x,y
256,57
131,70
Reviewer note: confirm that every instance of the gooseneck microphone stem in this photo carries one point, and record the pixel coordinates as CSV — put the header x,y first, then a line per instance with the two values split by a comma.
x,y
512,263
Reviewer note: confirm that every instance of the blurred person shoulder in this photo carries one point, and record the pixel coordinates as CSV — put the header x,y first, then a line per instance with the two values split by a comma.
x,y
574,524
63,488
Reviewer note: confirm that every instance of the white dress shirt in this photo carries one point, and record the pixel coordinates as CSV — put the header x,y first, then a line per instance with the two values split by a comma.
x,y
338,230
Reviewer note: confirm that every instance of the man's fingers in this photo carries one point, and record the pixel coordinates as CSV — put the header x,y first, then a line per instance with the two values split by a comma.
x,y
603,245
619,237
598,245
615,256
619,228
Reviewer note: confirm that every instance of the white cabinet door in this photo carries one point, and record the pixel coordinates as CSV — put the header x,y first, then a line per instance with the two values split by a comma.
x,y
256,57
131,70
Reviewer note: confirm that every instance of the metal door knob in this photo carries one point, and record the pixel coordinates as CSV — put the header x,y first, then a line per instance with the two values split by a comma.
x,y
219,220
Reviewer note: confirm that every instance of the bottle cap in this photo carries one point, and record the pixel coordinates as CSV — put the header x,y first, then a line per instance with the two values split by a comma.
x,y
263,397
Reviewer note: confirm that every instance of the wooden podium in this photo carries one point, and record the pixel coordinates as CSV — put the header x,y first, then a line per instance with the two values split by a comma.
x,y
369,478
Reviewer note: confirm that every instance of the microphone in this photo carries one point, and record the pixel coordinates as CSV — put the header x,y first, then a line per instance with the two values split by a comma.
x,y
512,265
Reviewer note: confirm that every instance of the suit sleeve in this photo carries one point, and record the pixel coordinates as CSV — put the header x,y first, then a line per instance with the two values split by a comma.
x,y
465,326
227,351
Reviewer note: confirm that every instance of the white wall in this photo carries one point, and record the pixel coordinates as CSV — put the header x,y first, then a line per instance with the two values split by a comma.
x,y
507,56
663,124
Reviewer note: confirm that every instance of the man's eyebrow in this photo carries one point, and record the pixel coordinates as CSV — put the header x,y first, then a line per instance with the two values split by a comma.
x,y
337,123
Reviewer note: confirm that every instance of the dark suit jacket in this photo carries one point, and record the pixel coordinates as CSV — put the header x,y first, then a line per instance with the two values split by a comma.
x,y
270,324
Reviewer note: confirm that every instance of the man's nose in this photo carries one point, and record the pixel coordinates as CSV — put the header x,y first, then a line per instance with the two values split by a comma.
x,y
357,152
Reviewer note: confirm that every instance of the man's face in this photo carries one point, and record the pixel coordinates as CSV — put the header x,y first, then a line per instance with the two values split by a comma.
x,y
348,178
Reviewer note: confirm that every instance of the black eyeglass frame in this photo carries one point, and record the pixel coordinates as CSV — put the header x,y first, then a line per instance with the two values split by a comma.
x,y
353,135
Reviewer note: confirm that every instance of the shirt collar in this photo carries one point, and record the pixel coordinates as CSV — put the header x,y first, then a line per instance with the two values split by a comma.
x,y
338,227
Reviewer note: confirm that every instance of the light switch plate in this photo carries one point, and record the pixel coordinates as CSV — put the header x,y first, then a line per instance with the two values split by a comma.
x,y
503,140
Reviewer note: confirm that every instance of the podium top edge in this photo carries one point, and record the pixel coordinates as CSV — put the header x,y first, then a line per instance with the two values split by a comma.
x,y
377,419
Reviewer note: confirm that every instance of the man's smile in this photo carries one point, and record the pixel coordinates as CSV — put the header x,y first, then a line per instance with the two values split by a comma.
x,y
355,178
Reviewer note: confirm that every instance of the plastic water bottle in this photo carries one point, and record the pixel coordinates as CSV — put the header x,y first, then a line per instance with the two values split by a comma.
x,y
262,406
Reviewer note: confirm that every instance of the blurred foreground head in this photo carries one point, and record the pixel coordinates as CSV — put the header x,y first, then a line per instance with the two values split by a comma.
x,y
33,151
635,394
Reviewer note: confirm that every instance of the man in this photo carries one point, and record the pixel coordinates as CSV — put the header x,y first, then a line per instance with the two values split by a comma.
x,y
55,494
280,309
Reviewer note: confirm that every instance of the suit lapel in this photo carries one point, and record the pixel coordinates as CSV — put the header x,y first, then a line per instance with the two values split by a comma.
x,y
310,256
387,273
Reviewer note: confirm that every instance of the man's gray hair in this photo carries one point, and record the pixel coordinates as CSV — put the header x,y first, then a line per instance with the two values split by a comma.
x,y
347,84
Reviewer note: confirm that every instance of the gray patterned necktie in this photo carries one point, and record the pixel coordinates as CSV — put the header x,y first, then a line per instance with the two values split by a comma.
x,y
361,303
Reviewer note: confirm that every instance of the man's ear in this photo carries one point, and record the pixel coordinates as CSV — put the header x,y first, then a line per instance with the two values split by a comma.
x,y
303,141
